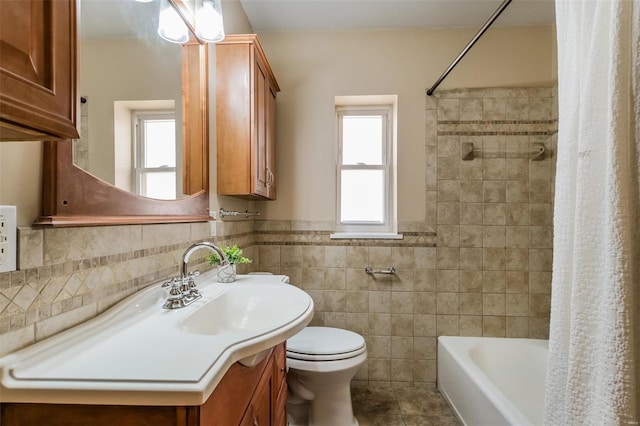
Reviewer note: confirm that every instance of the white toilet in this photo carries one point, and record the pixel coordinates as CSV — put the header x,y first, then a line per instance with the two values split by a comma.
x,y
322,361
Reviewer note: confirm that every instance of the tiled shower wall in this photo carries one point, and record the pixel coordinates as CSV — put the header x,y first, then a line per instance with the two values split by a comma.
x,y
69,275
479,265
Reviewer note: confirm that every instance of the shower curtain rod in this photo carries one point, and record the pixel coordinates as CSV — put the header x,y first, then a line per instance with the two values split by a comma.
x,y
484,28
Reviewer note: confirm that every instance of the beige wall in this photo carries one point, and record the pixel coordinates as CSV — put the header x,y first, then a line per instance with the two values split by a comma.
x,y
313,67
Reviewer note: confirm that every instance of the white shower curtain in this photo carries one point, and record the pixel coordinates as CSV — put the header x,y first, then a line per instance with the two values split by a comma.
x,y
593,373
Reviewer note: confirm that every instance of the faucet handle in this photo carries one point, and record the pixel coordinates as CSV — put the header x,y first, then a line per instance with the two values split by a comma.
x,y
169,283
194,274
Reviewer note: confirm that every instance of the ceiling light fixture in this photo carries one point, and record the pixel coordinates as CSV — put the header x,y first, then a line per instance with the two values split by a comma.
x,y
209,24
171,27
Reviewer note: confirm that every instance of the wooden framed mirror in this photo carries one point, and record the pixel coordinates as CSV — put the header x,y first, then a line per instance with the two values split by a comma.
x,y
73,196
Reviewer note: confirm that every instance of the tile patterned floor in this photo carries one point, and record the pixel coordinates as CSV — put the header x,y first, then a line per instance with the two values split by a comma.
x,y
401,407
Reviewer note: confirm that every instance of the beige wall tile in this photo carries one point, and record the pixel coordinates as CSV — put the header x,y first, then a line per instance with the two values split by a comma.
x,y
494,109
517,282
448,236
424,303
494,214
424,325
425,347
517,327
335,257
493,282
402,370
540,282
449,191
448,109
471,109
470,304
493,304
470,325
448,280
447,325
425,257
448,303
290,256
471,259
448,213
425,280
312,256
471,281
517,305
357,257
30,248
401,347
402,325
493,326
425,371
494,191
380,324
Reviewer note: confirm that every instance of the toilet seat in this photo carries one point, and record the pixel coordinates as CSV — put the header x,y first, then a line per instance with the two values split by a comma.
x,y
325,344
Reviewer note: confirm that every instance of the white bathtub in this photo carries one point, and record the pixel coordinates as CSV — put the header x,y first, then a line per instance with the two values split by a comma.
x,y
492,381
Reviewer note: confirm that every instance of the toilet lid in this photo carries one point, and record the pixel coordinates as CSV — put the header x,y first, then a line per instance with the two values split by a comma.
x,y
325,342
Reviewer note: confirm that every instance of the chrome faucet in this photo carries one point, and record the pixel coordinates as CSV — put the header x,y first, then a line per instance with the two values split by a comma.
x,y
183,289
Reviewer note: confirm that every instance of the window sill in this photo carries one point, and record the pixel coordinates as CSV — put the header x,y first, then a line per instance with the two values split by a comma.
x,y
366,236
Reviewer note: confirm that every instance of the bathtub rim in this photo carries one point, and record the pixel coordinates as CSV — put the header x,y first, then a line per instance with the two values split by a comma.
x,y
512,414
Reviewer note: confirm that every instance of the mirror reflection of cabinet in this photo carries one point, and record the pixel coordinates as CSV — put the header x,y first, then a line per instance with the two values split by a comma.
x,y
37,70
245,114
74,197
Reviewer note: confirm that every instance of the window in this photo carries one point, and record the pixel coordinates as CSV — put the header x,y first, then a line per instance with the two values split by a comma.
x,y
365,172
155,154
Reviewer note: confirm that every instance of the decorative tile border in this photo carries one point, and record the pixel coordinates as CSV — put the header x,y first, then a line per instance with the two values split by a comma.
x,y
322,238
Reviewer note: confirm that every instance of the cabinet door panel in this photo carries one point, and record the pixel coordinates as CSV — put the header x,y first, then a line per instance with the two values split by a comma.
x,y
37,68
259,155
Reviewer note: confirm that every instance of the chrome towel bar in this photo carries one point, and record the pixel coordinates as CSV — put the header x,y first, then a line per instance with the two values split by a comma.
x,y
535,153
389,271
245,213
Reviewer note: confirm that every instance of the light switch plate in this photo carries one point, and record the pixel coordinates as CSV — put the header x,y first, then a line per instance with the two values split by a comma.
x,y
8,238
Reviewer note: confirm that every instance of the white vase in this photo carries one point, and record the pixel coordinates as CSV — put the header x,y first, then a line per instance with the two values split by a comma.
x,y
227,273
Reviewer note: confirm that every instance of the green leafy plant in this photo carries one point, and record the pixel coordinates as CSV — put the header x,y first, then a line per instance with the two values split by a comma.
x,y
233,253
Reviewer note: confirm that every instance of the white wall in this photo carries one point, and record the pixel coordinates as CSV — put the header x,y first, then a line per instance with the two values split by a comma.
x,y
314,67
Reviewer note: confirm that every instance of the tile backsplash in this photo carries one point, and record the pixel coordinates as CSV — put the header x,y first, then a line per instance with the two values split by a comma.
x,y
479,264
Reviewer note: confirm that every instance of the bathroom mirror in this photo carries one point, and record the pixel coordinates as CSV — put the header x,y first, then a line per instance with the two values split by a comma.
x,y
129,83
88,191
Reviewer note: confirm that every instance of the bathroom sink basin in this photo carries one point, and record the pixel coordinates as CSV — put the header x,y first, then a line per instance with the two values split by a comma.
x,y
247,308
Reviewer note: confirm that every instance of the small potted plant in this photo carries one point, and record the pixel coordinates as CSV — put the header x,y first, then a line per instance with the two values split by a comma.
x,y
227,273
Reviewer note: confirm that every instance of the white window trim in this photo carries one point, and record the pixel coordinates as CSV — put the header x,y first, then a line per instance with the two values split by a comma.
x,y
367,230
138,154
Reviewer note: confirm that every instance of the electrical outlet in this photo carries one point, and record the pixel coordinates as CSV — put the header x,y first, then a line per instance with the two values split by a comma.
x,y
8,239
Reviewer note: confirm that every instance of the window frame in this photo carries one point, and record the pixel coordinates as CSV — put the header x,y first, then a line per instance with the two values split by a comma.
x,y
138,169
362,228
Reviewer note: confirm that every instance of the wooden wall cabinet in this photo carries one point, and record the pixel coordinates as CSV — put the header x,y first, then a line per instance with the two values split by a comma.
x,y
37,70
245,396
245,119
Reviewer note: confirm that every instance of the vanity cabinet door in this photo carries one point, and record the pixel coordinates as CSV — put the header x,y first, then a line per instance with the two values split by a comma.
x,y
37,69
245,119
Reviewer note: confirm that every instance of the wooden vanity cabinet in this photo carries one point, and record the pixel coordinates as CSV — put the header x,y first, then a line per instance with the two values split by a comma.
x,y
37,70
245,397
245,119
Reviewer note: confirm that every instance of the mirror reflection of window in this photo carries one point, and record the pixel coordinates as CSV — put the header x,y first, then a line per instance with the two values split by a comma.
x,y
154,172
